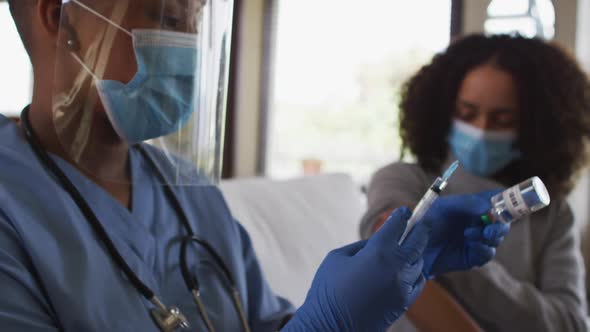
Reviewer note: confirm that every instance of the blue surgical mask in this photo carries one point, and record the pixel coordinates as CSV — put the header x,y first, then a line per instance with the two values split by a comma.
x,y
480,152
161,98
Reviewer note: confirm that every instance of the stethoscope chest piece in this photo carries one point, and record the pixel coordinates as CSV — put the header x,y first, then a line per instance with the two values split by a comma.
x,y
169,320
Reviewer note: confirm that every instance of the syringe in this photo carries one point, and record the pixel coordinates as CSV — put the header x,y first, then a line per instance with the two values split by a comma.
x,y
428,199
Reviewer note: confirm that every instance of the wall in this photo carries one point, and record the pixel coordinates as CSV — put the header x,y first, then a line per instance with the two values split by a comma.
x,y
248,103
474,15
581,195
583,34
566,20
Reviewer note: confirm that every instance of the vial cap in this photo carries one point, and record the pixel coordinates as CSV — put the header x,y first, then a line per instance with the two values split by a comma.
x,y
542,193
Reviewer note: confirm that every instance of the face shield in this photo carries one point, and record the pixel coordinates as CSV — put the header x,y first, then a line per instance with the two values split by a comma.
x,y
137,72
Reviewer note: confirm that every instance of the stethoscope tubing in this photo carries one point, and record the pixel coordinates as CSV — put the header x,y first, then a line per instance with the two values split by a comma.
x,y
190,279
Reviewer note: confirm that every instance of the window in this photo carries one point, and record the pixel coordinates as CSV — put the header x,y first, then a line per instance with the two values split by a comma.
x,y
339,68
530,18
15,68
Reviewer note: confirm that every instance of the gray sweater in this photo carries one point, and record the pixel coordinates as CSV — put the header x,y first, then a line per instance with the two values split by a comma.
x,y
536,281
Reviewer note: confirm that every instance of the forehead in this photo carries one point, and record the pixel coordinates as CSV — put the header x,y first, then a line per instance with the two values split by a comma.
x,y
489,83
186,5
137,7
185,15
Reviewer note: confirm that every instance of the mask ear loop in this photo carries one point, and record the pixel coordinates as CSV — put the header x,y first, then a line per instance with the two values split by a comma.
x,y
79,61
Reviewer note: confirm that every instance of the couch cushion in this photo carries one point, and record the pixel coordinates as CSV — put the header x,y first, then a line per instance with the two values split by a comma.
x,y
294,224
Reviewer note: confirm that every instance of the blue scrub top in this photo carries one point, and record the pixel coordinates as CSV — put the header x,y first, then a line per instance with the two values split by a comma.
x,y
55,273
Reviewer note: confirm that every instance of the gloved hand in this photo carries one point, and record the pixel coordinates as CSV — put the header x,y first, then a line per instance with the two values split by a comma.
x,y
459,239
367,285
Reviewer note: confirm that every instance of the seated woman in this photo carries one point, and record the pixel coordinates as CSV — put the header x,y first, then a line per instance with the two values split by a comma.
x,y
508,108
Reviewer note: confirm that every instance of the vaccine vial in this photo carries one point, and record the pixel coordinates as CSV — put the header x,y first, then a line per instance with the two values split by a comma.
x,y
518,201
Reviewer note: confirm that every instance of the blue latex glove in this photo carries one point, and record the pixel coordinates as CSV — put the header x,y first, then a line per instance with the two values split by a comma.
x,y
459,239
367,285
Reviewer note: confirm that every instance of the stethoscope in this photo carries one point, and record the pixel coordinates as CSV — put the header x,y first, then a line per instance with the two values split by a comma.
x,y
168,319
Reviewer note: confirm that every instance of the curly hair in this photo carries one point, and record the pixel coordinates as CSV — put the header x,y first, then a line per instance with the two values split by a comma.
x,y
554,99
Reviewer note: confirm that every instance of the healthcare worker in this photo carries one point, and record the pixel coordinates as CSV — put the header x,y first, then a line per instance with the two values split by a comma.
x,y
109,219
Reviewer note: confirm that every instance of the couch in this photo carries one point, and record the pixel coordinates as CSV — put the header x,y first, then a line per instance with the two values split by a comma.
x,y
294,224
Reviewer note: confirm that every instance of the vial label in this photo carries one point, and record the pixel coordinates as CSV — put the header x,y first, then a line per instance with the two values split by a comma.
x,y
515,203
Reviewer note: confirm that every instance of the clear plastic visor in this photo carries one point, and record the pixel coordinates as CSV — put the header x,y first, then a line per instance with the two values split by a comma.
x,y
143,82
